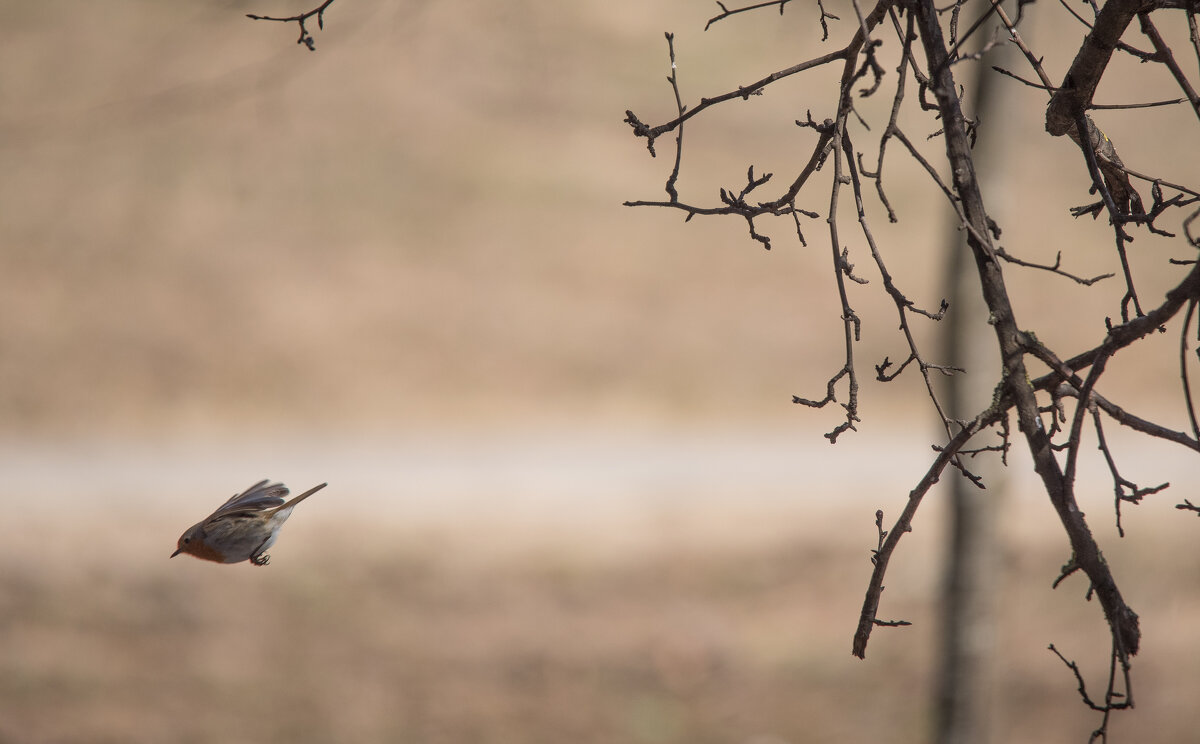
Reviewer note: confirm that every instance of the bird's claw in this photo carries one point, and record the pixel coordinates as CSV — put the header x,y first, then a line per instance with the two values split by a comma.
x,y
260,560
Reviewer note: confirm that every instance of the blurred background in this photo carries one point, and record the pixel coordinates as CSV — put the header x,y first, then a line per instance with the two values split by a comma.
x,y
570,497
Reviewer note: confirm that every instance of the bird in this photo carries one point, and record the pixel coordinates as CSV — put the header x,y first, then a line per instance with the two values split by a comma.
x,y
244,527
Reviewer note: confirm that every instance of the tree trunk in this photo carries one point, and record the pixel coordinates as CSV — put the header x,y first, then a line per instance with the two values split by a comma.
x,y
965,682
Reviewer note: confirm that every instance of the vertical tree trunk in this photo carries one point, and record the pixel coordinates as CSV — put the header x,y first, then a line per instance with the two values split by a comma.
x,y
965,683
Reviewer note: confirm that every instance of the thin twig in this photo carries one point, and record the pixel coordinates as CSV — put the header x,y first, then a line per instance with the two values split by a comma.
x,y
305,37
1162,53
725,12
1054,269
1188,402
1125,489
880,558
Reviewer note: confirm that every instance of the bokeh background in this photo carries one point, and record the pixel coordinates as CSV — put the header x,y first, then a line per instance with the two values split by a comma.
x,y
570,497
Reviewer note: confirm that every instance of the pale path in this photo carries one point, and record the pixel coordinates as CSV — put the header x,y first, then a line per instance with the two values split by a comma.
x,y
572,475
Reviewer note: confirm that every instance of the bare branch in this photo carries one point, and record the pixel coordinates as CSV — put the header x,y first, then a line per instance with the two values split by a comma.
x,y
1126,490
1113,700
744,92
1020,79
726,12
1162,53
1053,411
1188,402
881,556
1055,268
1074,96
305,37
1122,620
674,80
1151,104
1189,506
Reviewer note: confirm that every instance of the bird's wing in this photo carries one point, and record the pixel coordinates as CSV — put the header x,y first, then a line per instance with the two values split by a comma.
x,y
262,495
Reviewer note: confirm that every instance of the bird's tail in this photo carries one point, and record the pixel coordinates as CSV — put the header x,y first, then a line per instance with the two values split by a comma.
x,y
302,497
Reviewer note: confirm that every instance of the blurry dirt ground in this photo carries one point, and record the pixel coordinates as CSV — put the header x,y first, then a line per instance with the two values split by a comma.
x,y
378,631
570,498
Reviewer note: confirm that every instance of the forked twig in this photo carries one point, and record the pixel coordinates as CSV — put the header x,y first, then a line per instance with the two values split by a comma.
x,y
305,37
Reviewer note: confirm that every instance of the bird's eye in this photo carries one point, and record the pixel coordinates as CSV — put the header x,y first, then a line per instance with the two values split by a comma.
x,y
187,539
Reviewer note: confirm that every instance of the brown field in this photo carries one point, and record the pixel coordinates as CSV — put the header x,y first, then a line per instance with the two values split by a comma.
x,y
570,499
649,627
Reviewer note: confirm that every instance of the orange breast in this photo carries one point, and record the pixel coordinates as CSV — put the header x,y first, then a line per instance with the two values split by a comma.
x,y
202,550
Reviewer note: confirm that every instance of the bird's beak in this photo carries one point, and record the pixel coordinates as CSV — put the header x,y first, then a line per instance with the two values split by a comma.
x,y
177,552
